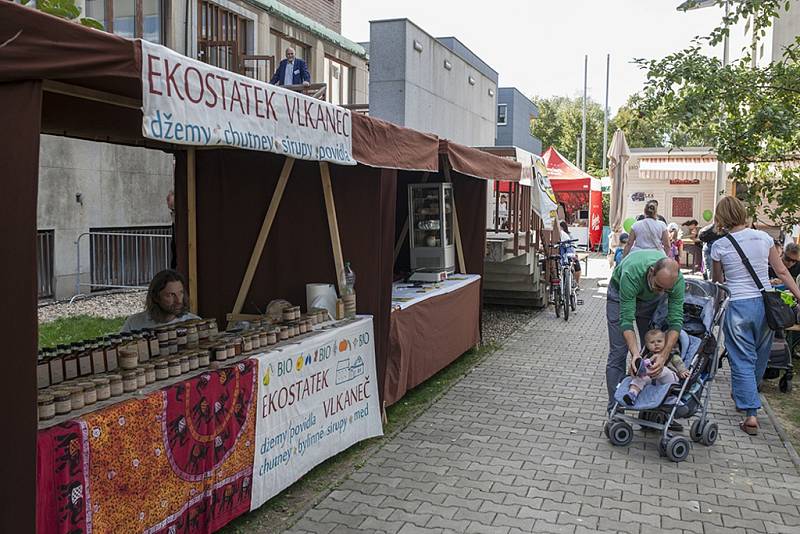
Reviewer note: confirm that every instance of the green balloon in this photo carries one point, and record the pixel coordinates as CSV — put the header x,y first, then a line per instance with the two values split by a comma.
x,y
628,224
707,215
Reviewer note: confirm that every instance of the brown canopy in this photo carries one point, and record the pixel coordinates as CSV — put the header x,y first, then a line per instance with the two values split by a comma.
x,y
479,164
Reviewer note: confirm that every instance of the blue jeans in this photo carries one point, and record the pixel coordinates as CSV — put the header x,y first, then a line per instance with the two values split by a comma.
x,y
748,341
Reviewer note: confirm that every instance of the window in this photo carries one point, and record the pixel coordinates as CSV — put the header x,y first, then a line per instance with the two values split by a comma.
x,y
682,207
502,112
130,18
221,37
337,77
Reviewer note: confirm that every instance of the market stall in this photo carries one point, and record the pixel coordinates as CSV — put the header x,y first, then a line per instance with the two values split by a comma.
x,y
580,195
433,324
60,78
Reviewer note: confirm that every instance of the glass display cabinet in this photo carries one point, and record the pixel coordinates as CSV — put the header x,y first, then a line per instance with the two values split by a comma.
x,y
430,208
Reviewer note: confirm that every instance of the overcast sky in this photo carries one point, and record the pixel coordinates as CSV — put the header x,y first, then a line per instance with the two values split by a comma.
x,y
538,45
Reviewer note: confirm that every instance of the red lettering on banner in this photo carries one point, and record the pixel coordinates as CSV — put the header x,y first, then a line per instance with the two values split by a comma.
x,y
270,107
321,118
199,82
290,107
257,90
308,105
247,88
171,79
211,90
296,392
151,73
222,80
236,97
329,119
346,398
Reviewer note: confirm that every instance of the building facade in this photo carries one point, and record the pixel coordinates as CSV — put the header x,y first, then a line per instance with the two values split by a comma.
x,y
430,84
93,186
515,112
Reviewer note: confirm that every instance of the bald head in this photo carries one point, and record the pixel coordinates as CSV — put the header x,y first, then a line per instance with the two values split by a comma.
x,y
664,275
290,53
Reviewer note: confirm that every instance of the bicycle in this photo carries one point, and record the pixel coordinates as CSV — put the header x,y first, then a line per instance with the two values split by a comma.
x,y
563,291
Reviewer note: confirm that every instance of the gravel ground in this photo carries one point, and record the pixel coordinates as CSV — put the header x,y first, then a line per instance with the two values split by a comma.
x,y
108,306
499,322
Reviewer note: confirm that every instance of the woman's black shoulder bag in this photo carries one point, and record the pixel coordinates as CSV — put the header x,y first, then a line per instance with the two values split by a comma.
x,y
779,314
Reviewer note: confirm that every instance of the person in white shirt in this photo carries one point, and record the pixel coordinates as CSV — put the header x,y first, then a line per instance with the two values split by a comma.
x,y
748,338
648,234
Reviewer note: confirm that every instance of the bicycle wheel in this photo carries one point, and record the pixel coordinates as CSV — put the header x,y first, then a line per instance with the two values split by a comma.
x,y
557,304
566,288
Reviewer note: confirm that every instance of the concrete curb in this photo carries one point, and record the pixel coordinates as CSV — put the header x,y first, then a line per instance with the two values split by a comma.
x,y
781,432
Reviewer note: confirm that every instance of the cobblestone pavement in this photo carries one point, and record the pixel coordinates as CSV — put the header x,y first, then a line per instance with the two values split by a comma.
x,y
518,446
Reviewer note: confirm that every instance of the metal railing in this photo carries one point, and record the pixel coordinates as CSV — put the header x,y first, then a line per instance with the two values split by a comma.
x,y
124,258
44,263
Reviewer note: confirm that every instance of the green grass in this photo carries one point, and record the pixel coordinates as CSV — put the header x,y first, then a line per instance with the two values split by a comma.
x,y
77,328
279,512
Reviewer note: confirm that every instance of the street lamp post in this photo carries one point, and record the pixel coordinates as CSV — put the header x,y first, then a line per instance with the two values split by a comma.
x,y
688,5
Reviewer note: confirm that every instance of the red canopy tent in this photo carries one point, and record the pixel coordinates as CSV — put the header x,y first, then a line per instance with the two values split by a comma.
x,y
578,192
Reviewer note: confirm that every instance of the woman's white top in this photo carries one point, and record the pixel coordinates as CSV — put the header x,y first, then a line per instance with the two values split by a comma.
x,y
648,233
755,244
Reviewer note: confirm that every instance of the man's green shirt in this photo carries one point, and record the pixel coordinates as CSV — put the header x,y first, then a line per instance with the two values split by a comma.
x,y
630,279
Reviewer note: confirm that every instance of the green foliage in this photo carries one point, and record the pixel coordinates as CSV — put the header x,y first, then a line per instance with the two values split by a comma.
x,y
653,129
750,114
606,208
65,9
560,122
77,328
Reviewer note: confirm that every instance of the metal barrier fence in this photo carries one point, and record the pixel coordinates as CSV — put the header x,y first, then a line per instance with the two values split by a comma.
x,y
44,263
124,258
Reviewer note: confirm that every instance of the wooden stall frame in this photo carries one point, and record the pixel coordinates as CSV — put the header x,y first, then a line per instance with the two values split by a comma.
x,y
258,248
191,200
456,232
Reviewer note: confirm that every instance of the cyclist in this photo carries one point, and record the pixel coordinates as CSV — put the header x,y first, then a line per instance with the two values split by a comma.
x,y
569,250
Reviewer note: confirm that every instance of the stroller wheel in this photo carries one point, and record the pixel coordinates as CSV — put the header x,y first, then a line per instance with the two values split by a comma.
x,y
785,384
662,447
696,432
605,429
620,433
677,448
710,433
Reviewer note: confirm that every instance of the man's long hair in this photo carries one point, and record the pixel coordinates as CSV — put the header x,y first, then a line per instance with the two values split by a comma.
x,y
159,282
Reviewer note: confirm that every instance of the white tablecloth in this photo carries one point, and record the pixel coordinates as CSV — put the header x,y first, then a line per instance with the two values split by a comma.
x,y
405,295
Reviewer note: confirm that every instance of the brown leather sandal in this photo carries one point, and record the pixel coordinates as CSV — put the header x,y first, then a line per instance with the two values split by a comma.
x,y
751,430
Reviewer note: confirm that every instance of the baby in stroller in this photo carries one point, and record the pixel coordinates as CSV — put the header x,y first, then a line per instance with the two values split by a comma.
x,y
672,372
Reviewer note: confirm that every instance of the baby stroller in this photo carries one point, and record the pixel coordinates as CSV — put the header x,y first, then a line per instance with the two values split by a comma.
x,y
659,405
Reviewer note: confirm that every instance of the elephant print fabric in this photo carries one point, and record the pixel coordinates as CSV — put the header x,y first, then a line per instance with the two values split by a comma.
x,y
179,460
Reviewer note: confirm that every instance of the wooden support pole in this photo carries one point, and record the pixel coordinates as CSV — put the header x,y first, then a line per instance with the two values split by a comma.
x,y
456,231
333,224
515,186
191,200
404,231
497,206
258,249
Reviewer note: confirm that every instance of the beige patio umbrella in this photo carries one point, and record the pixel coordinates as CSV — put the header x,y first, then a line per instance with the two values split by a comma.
x,y
618,156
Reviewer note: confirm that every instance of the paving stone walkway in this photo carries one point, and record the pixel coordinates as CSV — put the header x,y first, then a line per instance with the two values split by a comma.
x,y
518,446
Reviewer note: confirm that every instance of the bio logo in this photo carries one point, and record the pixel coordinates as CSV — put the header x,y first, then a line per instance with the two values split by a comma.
x,y
285,367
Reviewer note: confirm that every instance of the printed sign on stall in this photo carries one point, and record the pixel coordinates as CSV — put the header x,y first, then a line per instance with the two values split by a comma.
x,y
188,102
315,399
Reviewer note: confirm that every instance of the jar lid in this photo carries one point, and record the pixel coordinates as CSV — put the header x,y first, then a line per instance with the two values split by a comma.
x,y
87,385
175,362
114,377
148,366
139,371
126,375
183,359
45,398
75,389
61,394
162,364
101,380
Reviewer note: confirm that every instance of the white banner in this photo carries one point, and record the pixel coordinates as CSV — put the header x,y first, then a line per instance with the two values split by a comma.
x,y
315,399
188,102
544,200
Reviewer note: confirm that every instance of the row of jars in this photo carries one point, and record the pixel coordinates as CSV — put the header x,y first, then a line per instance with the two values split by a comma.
x,y
120,351
76,394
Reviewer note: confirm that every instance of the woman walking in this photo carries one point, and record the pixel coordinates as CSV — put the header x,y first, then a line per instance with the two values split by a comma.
x,y
748,338
649,233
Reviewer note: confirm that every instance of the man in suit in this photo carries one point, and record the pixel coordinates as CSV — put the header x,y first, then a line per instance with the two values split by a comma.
x,y
291,71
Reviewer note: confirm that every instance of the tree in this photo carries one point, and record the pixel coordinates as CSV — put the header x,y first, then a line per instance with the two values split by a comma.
x,y
653,129
751,114
560,123
65,9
